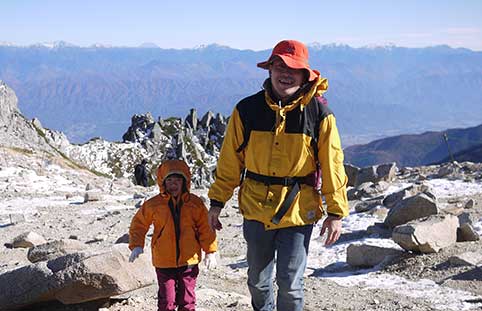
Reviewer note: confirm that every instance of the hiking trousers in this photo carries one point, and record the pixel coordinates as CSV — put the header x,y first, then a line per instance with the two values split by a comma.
x,y
290,247
176,288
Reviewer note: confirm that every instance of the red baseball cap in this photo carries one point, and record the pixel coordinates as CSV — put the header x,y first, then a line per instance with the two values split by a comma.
x,y
294,54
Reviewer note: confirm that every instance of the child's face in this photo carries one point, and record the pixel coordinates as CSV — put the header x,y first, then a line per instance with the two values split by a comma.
x,y
174,185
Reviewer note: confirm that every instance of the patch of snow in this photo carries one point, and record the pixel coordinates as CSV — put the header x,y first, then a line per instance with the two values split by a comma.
x,y
453,188
442,298
478,226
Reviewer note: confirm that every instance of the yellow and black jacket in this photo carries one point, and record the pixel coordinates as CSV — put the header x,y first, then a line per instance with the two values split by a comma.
x,y
280,146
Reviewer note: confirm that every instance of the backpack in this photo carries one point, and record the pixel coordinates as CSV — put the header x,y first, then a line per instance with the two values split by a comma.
x,y
313,114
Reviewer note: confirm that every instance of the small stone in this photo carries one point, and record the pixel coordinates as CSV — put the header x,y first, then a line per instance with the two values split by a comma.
x,y
16,218
470,203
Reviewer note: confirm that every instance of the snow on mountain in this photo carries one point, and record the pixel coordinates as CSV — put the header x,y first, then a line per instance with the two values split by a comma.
x,y
5,43
149,45
317,46
53,45
100,46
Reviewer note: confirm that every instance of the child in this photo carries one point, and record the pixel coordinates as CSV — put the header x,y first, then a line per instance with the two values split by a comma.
x,y
181,230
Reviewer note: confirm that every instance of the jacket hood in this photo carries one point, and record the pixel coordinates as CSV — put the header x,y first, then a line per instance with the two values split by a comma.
x,y
302,97
171,167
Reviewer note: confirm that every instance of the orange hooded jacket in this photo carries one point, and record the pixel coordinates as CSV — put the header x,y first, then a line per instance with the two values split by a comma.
x,y
195,232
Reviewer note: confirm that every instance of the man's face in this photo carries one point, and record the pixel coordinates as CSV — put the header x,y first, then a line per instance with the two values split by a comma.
x,y
285,81
174,185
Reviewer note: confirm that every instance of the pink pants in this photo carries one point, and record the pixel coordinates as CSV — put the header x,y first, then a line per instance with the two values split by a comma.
x,y
176,288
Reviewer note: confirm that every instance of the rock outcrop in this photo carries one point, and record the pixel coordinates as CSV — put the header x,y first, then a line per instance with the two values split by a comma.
x,y
363,255
18,132
427,235
75,278
411,208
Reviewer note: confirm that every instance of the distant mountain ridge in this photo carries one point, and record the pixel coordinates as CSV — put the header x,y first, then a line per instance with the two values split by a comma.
x,y
472,154
423,149
93,91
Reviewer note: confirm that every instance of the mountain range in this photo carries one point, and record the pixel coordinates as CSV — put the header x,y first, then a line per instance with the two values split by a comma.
x,y
460,144
374,92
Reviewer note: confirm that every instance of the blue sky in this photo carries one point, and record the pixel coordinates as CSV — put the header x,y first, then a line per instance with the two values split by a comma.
x,y
245,24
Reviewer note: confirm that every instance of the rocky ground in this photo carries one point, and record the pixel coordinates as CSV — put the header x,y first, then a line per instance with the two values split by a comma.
x,y
50,194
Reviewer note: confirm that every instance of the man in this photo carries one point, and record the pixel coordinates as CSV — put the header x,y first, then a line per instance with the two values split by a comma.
x,y
278,140
140,173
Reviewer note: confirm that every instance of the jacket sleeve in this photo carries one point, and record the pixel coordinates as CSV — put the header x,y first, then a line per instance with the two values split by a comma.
x,y
206,236
330,155
139,225
230,163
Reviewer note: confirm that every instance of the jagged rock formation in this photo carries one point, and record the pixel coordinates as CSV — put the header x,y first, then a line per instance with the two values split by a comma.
x,y
195,141
18,132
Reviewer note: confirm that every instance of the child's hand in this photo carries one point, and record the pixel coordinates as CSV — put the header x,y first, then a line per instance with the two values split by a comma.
x,y
210,261
135,253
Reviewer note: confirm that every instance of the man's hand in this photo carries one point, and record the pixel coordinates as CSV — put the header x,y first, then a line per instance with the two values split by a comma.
x,y
135,253
332,226
213,218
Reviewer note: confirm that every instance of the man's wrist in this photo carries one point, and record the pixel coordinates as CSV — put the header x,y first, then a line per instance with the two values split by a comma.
x,y
215,203
335,216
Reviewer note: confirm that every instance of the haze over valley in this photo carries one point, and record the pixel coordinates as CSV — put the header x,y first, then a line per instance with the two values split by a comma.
x,y
375,92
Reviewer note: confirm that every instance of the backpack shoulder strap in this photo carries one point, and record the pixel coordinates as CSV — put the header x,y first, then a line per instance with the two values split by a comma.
x,y
246,114
246,134
312,119
315,112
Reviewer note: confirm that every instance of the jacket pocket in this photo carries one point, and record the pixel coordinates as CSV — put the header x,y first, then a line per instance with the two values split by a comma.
x,y
254,190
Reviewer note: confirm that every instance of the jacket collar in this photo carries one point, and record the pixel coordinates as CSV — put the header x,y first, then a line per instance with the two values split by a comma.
x,y
301,98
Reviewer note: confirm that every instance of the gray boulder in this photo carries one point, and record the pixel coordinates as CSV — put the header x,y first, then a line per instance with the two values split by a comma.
x,y
28,239
427,235
393,198
364,206
364,255
352,174
470,203
92,195
376,173
54,249
75,278
449,170
466,259
467,233
411,208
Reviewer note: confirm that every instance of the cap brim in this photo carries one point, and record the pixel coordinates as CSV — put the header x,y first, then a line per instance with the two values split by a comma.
x,y
293,64
264,65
